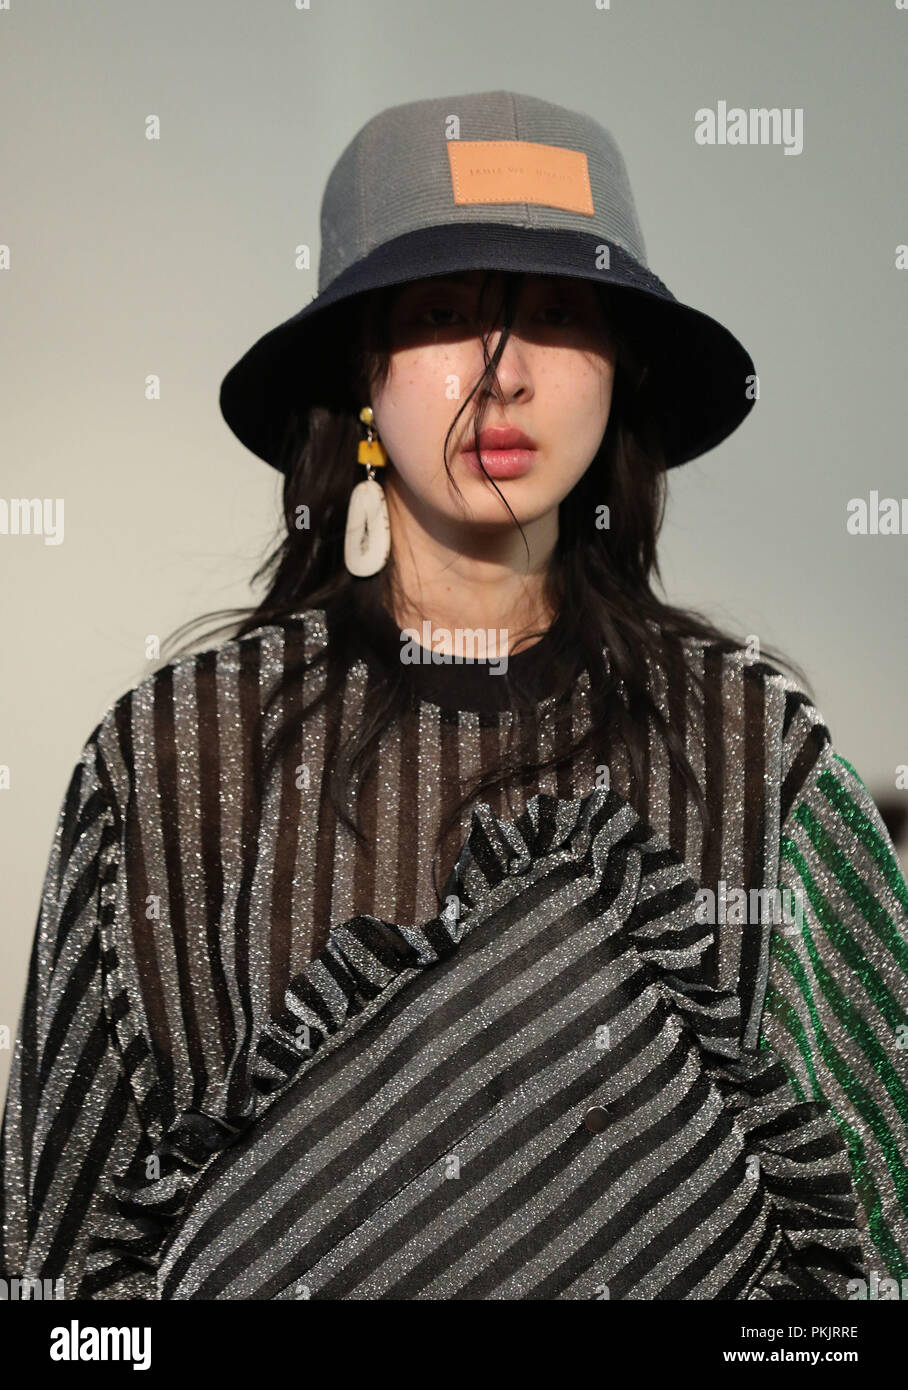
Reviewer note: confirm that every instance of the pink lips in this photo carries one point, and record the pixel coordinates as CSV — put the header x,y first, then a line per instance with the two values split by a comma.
x,y
506,453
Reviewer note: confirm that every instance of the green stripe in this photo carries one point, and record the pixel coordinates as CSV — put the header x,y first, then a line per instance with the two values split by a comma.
x,y
863,1103
850,1017
850,1084
853,770
870,907
780,1008
862,817
863,827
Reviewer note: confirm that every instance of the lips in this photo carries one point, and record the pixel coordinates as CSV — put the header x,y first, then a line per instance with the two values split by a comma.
x,y
503,438
504,452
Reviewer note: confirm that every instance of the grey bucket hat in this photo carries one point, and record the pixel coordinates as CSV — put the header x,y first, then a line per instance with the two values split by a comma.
x,y
499,181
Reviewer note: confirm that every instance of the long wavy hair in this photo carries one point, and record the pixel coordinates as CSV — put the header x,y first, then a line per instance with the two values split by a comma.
x,y
600,581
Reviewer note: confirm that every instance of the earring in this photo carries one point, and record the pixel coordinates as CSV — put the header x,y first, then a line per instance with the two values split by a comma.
x,y
367,539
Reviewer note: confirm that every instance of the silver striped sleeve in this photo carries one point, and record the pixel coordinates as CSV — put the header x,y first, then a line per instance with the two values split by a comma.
x,y
70,1120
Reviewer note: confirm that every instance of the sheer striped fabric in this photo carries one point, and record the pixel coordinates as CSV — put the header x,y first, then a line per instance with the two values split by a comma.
x,y
256,1061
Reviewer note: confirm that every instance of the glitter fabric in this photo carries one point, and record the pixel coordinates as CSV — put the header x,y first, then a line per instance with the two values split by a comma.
x,y
256,1062
454,1146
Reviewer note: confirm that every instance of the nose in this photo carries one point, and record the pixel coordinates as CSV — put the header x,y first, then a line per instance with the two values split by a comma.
x,y
514,372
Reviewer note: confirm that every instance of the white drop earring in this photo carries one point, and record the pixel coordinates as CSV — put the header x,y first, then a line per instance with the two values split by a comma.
x,y
367,539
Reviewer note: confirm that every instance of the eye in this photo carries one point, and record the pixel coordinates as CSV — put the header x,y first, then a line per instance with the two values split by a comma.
x,y
425,315
567,312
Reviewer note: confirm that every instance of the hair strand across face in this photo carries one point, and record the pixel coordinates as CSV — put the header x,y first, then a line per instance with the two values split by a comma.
x,y
601,582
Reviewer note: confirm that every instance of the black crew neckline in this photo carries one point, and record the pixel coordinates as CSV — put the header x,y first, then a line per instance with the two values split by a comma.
x,y
470,684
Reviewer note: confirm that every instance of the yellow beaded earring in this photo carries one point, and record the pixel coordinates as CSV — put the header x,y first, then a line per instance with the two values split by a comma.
x,y
367,540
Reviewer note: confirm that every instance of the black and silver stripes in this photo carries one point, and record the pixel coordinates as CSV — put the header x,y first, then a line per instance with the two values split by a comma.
x,y
441,1150
206,966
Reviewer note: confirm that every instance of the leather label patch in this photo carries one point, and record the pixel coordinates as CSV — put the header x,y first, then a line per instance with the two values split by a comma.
x,y
519,171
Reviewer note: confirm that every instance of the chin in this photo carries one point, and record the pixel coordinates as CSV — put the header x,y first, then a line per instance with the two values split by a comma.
x,y
493,513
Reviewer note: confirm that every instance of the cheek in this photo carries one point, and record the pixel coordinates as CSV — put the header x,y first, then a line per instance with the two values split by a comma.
x,y
599,386
414,407
594,377
583,387
585,399
418,382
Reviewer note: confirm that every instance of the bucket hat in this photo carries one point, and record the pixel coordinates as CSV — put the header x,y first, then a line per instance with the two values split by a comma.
x,y
487,180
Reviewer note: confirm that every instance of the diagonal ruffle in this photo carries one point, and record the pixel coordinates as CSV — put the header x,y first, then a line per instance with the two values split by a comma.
x,y
366,961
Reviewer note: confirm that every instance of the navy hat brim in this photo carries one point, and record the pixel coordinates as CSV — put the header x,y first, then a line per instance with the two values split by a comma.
x,y
701,377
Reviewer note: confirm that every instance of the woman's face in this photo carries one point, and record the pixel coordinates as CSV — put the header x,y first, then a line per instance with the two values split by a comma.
x,y
555,385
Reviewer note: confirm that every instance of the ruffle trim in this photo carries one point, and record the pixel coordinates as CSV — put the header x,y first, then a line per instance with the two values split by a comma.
x,y
645,891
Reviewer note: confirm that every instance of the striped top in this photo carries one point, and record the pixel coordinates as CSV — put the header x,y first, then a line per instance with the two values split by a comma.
x,y
215,975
